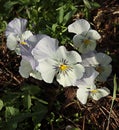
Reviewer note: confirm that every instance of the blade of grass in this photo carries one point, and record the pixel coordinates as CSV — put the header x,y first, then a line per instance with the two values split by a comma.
x,y
113,98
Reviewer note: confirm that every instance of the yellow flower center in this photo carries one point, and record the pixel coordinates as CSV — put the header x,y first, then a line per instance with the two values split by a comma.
x,y
94,91
63,67
23,43
86,41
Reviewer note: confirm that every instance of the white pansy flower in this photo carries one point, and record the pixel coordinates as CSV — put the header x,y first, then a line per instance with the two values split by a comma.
x,y
16,34
85,38
87,89
62,64
101,63
28,63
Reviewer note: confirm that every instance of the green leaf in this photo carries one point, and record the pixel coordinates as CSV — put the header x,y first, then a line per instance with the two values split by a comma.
x,y
28,13
10,98
54,26
10,112
32,89
87,4
37,116
1,104
95,4
10,126
9,4
27,101
41,111
61,14
37,126
24,2
68,16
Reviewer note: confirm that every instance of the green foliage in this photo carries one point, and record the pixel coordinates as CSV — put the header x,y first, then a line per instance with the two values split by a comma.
x,y
18,107
89,6
50,16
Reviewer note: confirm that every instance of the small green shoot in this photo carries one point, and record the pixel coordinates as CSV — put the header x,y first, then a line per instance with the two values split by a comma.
x,y
113,98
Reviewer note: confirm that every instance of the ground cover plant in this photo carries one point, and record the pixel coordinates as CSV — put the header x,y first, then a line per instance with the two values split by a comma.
x,y
59,65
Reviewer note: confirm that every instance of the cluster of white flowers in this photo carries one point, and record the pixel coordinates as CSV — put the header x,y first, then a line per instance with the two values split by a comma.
x,y
44,59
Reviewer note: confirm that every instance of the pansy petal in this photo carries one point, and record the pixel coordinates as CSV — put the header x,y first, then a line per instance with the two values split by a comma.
x,y
61,53
89,71
31,60
64,80
103,58
11,42
82,95
91,46
79,26
35,74
79,71
31,43
102,92
90,80
108,70
34,39
26,35
25,68
105,73
16,26
89,59
47,70
45,47
93,34
73,57
17,50
77,40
